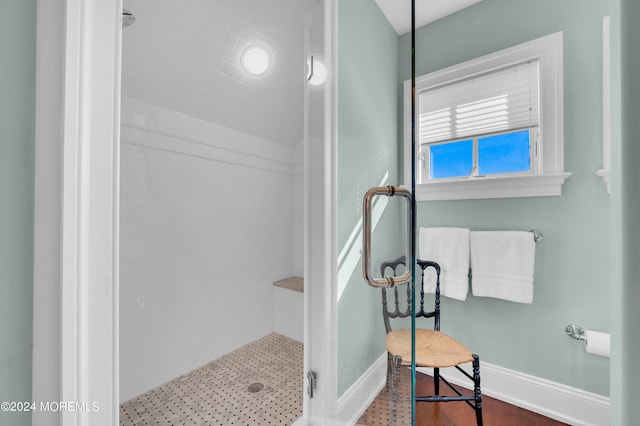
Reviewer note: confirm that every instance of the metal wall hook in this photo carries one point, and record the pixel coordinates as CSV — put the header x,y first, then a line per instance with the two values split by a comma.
x,y
127,18
310,68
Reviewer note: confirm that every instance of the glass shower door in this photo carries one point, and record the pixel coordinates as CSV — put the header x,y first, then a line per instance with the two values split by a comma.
x,y
391,276
346,365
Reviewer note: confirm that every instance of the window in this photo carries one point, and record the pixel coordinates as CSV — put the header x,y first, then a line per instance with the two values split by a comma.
x,y
482,126
490,127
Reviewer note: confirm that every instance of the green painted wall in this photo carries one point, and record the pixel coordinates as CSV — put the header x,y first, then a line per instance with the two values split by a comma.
x,y
572,262
627,371
618,396
17,118
367,145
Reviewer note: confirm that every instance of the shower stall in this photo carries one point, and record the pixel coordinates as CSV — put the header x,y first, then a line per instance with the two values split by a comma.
x,y
211,180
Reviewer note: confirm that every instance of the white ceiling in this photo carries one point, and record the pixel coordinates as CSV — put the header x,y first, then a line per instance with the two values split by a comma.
x,y
184,55
398,12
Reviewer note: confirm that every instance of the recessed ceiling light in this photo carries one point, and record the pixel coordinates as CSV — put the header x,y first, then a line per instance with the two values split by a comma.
x,y
255,60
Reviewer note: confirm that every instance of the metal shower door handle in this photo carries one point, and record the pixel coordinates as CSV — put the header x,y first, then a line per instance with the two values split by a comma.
x,y
388,191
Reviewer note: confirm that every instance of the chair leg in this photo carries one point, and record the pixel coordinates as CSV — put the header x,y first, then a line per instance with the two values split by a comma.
x,y
476,389
396,361
436,380
389,371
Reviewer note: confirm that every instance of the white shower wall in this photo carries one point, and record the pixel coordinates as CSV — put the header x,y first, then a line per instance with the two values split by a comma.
x,y
210,217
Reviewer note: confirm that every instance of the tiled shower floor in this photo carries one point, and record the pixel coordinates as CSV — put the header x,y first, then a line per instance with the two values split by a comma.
x,y
380,412
257,384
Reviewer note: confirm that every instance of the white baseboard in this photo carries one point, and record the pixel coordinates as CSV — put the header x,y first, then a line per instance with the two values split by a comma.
x,y
355,400
555,400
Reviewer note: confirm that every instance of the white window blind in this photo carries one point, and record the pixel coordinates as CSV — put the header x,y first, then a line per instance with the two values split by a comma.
x,y
502,100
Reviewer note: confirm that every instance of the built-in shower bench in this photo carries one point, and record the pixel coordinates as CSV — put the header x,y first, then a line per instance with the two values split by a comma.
x,y
288,307
291,283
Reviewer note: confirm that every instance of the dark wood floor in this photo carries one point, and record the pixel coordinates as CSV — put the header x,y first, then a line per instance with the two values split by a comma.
x,y
494,412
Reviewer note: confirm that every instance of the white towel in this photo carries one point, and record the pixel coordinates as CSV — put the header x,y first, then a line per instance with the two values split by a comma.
x,y
449,247
502,264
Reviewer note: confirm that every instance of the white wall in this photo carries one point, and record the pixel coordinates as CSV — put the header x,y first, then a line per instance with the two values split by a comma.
x,y
206,227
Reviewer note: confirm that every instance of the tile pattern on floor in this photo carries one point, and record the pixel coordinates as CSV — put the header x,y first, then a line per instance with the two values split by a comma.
x,y
257,384
381,413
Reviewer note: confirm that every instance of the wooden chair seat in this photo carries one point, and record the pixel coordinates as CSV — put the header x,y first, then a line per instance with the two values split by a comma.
x,y
433,348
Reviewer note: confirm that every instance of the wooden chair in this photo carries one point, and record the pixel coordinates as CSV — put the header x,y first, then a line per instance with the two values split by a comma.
x,y
434,349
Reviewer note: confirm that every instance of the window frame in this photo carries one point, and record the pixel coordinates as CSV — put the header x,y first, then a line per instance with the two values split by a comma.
x,y
548,175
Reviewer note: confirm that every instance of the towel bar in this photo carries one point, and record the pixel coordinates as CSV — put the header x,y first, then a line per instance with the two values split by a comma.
x,y
537,235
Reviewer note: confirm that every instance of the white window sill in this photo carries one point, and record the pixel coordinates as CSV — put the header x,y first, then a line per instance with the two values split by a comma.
x,y
493,187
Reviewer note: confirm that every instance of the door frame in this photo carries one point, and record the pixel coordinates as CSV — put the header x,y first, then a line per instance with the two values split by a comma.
x,y
320,248
78,119
90,209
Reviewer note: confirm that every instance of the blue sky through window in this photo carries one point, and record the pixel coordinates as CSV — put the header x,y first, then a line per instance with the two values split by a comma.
x,y
506,153
453,159
496,154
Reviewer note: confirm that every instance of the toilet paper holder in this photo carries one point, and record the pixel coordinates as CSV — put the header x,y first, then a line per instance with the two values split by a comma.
x,y
595,342
575,331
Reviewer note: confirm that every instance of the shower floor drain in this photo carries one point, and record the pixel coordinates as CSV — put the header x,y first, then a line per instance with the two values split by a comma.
x,y
255,387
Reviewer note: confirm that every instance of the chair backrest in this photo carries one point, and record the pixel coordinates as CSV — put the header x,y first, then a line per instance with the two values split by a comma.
x,y
405,310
